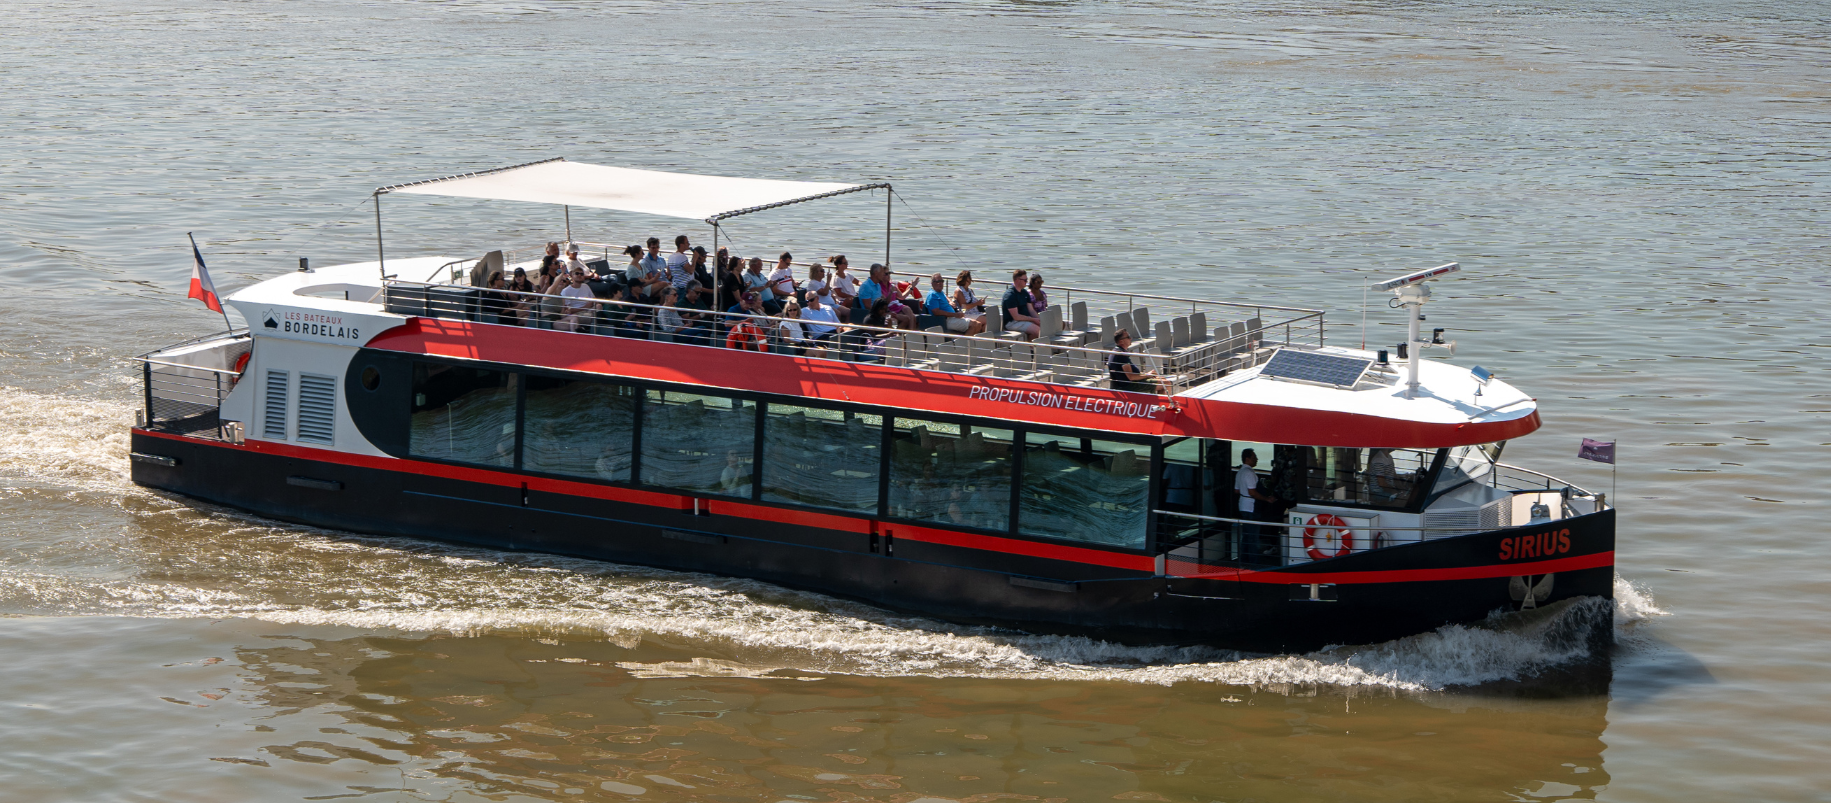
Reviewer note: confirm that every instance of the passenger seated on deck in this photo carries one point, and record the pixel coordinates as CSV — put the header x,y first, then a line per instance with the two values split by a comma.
x,y
844,292
730,283
1019,316
678,262
522,305
966,300
878,287
572,259
754,280
1038,301
956,321
550,279
667,319
782,281
788,330
1125,375
816,283
702,275
633,274
577,303
818,318
695,313
654,261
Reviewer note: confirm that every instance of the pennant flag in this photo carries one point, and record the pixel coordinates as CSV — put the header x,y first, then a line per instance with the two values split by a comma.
x,y
1599,451
201,288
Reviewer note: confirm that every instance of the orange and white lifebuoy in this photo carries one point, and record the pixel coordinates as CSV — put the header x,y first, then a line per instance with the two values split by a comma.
x,y
241,365
1328,524
746,336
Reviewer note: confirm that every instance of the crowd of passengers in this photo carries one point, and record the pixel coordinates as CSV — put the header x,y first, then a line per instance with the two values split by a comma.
x,y
678,296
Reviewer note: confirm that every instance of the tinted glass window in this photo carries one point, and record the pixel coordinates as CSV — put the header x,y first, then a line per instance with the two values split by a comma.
x,y
579,428
698,443
1085,490
1374,477
822,458
952,474
464,414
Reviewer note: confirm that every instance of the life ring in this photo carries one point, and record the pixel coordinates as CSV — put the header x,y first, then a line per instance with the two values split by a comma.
x,y
241,364
1327,522
746,336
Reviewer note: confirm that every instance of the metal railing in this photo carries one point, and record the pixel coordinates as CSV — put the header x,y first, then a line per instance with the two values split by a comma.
x,y
1063,359
186,398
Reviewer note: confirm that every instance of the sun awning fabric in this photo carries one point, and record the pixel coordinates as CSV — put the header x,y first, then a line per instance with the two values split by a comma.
x,y
652,192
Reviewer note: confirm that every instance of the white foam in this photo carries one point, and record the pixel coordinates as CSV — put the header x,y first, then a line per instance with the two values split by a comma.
x,y
64,439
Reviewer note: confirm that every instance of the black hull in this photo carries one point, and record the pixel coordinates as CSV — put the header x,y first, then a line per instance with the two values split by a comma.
x,y
1365,598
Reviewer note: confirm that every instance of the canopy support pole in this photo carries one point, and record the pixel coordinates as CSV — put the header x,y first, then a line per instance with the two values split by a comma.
x,y
568,208
716,267
889,195
380,261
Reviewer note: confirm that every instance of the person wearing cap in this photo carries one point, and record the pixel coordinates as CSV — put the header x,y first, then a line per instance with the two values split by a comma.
x,y
572,259
702,273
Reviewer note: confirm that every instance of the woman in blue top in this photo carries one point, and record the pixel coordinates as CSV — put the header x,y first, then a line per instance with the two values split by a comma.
x,y
956,321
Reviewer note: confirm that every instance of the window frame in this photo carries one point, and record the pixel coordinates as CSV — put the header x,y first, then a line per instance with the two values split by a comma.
x,y
1020,431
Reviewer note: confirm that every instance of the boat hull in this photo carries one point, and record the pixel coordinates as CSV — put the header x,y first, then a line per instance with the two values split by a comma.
x,y
1363,598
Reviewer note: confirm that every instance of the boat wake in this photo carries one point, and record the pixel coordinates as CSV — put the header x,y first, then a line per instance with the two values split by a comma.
x,y
194,560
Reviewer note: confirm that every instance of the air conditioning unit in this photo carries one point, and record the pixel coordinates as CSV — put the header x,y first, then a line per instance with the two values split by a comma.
x,y
1447,518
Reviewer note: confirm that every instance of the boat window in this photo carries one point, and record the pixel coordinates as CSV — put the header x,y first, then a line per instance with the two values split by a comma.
x,y
821,458
578,428
1085,490
463,414
1386,478
699,443
953,474
1465,464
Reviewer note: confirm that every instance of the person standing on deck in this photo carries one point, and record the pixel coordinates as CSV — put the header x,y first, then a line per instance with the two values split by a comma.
x,y
1246,484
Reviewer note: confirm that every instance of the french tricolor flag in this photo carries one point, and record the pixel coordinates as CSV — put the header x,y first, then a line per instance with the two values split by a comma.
x,y
201,288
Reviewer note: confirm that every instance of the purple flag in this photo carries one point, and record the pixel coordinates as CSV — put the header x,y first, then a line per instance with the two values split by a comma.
x,y
1599,451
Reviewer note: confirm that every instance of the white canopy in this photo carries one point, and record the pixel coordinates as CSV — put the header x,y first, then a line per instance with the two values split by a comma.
x,y
558,181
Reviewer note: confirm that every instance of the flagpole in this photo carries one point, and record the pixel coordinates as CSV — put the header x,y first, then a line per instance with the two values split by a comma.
x,y
219,305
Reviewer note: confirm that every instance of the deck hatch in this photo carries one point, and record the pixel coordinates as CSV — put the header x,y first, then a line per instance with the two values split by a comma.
x,y
1316,369
273,412
317,408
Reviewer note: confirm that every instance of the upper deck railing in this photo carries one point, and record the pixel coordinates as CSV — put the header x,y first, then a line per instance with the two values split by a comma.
x,y
1184,357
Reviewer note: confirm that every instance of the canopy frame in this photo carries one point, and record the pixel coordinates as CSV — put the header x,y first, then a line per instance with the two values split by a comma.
x,y
714,221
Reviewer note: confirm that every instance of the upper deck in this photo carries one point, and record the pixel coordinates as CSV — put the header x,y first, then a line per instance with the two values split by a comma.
x,y
1210,354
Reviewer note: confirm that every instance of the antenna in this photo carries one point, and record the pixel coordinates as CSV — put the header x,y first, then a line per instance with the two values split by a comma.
x,y
1410,291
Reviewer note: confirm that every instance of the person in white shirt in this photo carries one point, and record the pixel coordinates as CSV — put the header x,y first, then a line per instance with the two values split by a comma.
x,y
782,281
816,283
1382,477
818,318
1246,484
576,303
842,289
793,339
572,260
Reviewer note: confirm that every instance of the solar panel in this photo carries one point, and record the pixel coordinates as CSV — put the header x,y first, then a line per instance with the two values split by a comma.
x,y
1314,368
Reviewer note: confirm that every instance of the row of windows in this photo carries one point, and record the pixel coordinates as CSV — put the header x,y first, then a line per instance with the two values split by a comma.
x,y
947,473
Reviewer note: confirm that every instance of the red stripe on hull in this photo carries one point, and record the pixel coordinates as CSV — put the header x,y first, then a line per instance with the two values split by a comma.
x,y
927,391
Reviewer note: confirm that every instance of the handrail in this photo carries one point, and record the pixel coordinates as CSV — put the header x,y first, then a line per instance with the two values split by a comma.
x,y
229,334
1306,526
151,361
968,358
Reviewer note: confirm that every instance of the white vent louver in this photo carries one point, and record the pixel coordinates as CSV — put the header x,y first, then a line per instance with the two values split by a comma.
x,y
1495,515
317,408
273,413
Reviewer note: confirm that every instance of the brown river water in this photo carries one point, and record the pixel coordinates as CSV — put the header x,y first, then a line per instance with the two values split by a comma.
x,y
1636,192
